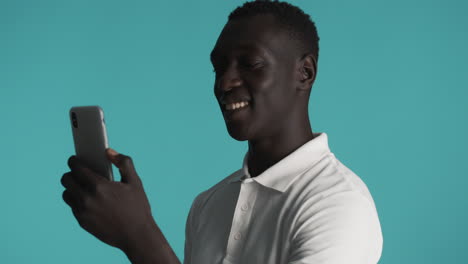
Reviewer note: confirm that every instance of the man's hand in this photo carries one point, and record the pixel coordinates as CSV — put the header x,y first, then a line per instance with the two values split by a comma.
x,y
117,213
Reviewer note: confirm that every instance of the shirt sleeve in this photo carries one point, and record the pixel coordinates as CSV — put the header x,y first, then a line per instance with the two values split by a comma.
x,y
189,229
341,228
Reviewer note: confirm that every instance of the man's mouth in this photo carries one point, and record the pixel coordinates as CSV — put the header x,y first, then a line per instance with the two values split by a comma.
x,y
235,106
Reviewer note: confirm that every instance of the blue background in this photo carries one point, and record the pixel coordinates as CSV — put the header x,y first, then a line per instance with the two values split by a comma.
x,y
391,94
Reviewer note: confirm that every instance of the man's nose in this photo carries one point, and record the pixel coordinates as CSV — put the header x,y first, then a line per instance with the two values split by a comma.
x,y
230,79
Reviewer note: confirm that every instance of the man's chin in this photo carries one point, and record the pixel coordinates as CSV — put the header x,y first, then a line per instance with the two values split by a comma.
x,y
238,133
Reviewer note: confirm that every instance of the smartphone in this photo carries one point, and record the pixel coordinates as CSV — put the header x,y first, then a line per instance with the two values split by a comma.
x,y
90,138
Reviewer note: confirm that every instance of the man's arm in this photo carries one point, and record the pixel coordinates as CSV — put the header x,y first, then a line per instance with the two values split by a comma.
x,y
340,228
117,213
150,247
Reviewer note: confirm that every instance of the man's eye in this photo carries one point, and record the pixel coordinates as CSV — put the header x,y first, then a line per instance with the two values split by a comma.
x,y
256,64
253,65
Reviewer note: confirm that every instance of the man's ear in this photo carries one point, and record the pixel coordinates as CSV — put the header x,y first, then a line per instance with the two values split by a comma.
x,y
307,71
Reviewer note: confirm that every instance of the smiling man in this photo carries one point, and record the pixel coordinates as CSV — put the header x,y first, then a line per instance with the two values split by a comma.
x,y
291,202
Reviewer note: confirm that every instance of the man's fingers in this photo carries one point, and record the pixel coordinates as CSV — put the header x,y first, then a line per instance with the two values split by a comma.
x,y
68,182
84,175
125,165
87,178
73,162
66,197
74,193
73,200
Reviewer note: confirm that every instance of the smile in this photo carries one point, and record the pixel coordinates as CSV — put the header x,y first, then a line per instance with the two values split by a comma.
x,y
235,106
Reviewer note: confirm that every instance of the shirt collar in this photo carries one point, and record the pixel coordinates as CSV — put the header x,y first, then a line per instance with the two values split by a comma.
x,y
283,173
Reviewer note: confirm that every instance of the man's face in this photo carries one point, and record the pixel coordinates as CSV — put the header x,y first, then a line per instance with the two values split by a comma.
x,y
254,63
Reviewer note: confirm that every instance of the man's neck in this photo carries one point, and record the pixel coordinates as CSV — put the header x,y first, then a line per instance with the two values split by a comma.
x,y
265,153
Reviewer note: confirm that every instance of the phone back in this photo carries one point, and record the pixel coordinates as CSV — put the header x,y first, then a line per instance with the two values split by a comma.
x,y
90,138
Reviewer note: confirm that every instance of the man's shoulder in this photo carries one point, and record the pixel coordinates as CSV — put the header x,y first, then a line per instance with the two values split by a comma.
x,y
328,182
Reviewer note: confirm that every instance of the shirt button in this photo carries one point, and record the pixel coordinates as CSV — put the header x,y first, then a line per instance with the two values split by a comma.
x,y
238,236
245,207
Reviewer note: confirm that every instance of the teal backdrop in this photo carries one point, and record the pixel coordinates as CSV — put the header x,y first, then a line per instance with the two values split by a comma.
x,y
391,94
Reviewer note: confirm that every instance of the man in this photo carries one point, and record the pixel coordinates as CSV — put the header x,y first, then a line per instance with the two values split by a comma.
x,y
292,201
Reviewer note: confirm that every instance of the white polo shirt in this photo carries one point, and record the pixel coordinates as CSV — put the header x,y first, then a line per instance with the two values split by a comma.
x,y
306,208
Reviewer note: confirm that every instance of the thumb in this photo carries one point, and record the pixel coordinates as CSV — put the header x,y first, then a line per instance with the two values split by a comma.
x,y
125,164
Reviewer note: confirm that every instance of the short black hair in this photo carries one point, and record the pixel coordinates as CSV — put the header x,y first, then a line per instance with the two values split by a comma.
x,y
297,24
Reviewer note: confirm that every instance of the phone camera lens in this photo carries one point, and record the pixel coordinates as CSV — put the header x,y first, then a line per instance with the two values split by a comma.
x,y
74,121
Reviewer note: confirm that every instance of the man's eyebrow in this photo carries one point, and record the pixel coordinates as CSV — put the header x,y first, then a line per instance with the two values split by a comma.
x,y
248,46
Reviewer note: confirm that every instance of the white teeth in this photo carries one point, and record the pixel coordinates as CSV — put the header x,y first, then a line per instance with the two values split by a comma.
x,y
234,106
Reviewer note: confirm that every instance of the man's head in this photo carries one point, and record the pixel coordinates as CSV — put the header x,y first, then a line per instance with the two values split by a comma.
x,y
265,56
